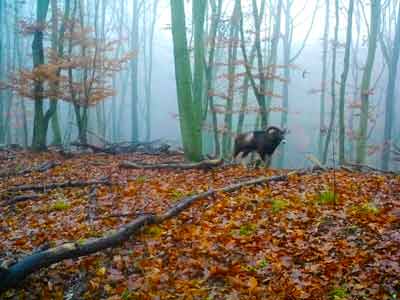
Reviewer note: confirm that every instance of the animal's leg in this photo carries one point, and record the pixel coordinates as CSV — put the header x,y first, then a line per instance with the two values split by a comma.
x,y
267,160
237,157
243,159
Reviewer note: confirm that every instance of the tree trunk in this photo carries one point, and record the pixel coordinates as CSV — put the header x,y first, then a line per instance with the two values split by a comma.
x,y
232,56
375,20
285,85
323,83
198,10
148,84
261,98
210,72
245,96
191,132
134,72
81,121
100,107
390,95
273,58
333,87
343,82
39,126
55,45
2,71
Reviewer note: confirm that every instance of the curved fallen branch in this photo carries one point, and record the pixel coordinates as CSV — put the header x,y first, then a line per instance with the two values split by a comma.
x,y
11,276
205,164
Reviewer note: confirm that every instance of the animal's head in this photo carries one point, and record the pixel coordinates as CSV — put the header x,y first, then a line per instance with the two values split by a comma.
x,y
276,134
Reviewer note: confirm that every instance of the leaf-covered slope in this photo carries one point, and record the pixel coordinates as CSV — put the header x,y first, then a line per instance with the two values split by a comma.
x,y
316,236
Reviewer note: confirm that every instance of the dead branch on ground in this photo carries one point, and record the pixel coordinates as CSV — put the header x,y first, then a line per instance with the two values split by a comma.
x,y
41,168
57,185
205,164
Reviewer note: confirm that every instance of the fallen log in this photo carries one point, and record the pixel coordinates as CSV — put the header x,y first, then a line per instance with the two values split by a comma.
x,y
367,168
56,185
151,148
20,198
41,168
12,275
205,164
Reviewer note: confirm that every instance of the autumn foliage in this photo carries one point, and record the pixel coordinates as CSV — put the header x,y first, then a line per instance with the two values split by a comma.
x,y
306,238
81,75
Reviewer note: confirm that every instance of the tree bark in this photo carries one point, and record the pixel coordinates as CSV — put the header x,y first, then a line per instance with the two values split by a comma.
x,y
40,126
333,85
232,57
198,10
323,83
343,82
271,67
2,71
134,72
210,72
190,129
390,95
375,21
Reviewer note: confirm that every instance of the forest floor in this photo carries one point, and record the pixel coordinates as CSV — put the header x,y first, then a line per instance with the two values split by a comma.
x,y
322,235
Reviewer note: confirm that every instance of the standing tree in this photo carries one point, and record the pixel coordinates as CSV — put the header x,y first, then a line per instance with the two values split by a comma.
x,y
232,57
216,8
134,72
149,69
41,119
375,20
2,71
343,81
323,82
333,83
188,107
80,76
392,59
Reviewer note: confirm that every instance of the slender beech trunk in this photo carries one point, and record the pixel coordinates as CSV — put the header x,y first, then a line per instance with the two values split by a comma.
x,y
355,73
261,71
2,71
343,82
210,72
322,128
23,133
258,92
333,87
245,96
134,72
232,56
375,21
198,10
100,107
285,86
273,58
149,75
55,45
390,94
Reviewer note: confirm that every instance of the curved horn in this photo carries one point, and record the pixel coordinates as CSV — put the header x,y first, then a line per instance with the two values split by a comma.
x,y
274,128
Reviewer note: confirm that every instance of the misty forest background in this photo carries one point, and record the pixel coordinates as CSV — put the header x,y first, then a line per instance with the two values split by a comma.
x,y
196,73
